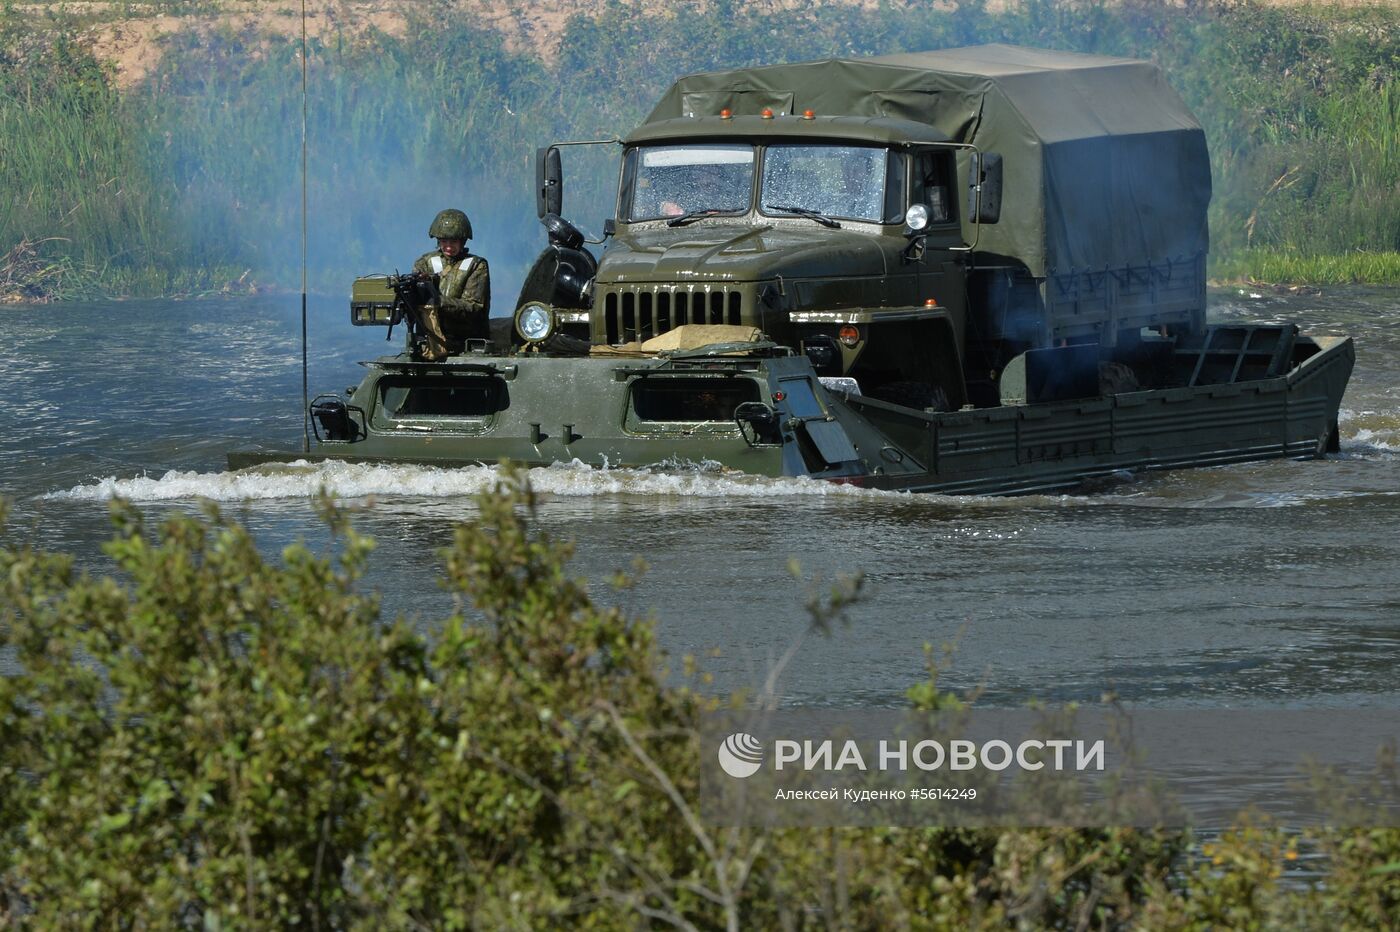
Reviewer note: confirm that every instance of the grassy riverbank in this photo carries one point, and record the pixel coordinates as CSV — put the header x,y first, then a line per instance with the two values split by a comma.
x,y
88,206
1288,268
188,179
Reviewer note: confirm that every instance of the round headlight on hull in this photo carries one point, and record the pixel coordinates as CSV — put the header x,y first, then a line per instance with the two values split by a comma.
x,y
534,322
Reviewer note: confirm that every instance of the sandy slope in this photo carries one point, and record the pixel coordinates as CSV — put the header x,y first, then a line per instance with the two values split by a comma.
x,y
133,40
132,35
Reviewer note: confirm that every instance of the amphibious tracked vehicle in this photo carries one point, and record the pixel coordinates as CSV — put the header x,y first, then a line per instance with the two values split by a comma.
x,y
970,270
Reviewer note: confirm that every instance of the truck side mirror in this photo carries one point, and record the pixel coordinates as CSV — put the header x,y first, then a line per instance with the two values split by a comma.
x,y
549,182
986,172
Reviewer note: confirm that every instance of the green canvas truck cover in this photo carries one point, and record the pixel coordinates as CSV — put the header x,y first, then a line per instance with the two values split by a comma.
x,y
1105,167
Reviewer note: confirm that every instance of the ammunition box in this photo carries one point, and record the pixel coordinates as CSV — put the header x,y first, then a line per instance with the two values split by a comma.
x,y
371,302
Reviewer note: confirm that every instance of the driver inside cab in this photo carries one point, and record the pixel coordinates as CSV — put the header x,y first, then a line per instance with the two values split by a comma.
x,y
706,190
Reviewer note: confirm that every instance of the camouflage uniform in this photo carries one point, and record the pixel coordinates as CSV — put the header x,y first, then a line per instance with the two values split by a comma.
x,y
465,286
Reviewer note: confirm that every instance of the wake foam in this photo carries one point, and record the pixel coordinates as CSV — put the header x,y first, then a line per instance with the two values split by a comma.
x,y
1366,440
301,479
1369,432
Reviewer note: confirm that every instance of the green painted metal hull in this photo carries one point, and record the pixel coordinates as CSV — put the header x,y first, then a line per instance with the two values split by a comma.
x,y
1030,448
544,410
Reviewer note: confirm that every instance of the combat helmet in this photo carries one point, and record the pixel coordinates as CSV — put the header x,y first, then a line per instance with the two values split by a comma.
x,y
451,224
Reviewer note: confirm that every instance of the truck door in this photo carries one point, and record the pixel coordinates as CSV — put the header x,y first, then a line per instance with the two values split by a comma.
x,y
931,183
902,287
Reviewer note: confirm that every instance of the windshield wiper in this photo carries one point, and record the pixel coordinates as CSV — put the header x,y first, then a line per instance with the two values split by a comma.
x,y
816,215
690,216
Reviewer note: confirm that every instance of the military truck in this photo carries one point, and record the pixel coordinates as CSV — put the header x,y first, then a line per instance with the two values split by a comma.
x,y
977,269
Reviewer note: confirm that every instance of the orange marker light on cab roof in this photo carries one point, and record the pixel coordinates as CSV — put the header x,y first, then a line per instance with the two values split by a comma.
x,y
767,113
809,115
725,114
931,302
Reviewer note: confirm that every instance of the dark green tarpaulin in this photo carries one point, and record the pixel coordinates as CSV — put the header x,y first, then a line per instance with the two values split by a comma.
x,y
1105,167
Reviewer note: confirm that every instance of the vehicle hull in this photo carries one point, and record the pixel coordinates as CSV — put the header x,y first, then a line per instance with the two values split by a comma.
x,y
561,410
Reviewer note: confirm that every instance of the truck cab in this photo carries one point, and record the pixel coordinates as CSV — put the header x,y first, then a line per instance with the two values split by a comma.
x,y
838,236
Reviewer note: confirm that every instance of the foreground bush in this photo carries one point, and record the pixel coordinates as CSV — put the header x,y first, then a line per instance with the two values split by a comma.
x,y
218,741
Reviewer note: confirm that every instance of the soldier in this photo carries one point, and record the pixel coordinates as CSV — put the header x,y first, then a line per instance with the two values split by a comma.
x,y
706,188
464,286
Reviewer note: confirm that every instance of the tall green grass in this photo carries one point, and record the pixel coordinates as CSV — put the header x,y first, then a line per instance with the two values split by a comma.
x,y
80,192
398,129
1301,106
196,172
1282,267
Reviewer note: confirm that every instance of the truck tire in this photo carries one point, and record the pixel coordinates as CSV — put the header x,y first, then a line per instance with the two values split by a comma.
x,y
921,396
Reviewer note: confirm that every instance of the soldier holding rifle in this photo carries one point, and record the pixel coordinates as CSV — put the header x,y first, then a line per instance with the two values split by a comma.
x,y
459,301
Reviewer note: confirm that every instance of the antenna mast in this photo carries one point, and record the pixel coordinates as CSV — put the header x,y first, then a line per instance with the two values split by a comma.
x,y
305,412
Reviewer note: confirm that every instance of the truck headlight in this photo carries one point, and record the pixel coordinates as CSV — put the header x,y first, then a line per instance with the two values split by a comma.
x,y
534,322
916,217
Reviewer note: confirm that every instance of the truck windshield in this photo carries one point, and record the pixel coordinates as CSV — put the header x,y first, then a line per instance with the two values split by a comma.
x,y
827,180
674,181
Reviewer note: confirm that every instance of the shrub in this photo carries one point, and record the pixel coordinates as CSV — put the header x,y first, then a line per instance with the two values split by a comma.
x,y
223,738
218,740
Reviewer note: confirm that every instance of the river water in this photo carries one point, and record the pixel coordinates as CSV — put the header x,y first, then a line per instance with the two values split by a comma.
x,y
1265,585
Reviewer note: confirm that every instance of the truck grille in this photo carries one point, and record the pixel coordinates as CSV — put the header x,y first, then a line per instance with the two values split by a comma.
x,y
642,314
